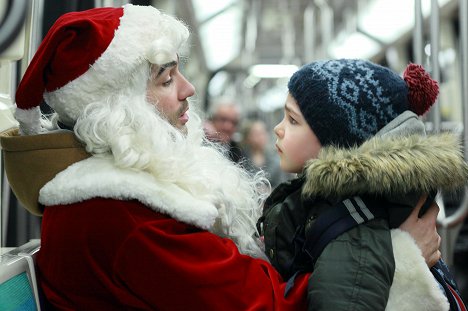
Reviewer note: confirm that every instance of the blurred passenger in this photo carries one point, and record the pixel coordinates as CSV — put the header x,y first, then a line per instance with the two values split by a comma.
x,y
352,128
139,212
259,155
223,124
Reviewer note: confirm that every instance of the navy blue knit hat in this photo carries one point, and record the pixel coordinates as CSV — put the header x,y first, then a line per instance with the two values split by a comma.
x,y
347,101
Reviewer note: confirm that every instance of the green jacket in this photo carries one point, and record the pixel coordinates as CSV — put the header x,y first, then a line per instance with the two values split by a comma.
x,y
354,272
359,270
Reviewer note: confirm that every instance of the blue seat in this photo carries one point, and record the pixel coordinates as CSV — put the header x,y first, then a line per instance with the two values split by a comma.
x,y
18,286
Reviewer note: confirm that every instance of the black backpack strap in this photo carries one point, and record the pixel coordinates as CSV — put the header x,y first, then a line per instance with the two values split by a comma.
x,y
344,216
338,219
330,224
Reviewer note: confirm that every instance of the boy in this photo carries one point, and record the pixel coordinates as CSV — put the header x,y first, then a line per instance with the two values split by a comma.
x,y
351,127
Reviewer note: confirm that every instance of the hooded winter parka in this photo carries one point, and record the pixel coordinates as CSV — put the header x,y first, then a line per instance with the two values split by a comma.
x,y
361,269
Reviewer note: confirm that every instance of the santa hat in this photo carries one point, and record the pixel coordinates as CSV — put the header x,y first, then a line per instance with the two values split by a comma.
x,y
92,55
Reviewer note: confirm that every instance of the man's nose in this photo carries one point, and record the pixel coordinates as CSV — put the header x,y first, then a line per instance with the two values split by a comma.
x,y
187,89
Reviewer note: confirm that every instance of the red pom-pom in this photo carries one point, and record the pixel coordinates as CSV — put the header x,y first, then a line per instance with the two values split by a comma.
x,y
422,89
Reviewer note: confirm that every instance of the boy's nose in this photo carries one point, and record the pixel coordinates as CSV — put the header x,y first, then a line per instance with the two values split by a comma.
x,y
278,130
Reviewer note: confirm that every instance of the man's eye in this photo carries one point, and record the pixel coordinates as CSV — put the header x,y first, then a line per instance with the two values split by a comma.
x,y
168,82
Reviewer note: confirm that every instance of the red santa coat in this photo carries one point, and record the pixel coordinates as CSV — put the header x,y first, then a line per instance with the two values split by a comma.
x,y
112,252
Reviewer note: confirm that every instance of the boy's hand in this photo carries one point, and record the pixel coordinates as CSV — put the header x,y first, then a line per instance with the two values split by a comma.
x,y
424,231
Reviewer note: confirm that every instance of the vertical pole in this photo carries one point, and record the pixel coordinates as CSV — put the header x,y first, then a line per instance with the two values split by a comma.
x,y
463,12
435,41
327,27
309,34
418,33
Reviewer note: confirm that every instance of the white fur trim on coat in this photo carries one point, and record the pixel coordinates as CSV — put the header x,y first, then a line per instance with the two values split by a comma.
x,y
98,177
414,288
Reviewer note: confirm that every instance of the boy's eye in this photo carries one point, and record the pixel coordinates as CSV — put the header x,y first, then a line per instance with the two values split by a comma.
x,y
292,120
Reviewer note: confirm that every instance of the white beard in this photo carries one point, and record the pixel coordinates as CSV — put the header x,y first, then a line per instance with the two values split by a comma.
x,y
145,141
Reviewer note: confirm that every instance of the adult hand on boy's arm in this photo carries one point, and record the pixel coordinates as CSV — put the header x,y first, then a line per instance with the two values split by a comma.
x,y
424,231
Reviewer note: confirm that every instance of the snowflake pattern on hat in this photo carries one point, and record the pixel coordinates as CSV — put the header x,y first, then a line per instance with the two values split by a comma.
x,y
351,83
347,101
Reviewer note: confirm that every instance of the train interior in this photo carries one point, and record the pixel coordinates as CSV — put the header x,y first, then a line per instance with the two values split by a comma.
x,y
247,49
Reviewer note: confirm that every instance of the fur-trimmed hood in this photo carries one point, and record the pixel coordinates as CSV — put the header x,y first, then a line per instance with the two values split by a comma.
x,y
389,166
399,160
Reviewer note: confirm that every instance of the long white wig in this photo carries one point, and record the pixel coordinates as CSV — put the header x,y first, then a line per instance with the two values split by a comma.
x,y
114,120
136,136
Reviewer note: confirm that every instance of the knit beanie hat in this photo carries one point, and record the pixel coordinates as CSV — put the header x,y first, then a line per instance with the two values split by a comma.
x,y
91,55
347,101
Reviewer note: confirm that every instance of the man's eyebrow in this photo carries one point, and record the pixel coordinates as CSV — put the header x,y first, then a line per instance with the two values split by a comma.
x,y
165,66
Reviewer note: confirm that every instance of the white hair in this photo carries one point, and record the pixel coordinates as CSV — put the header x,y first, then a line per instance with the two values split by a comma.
x,y
115,120
136,136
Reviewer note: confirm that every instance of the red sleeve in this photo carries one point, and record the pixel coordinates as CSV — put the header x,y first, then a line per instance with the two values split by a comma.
x,y
172,266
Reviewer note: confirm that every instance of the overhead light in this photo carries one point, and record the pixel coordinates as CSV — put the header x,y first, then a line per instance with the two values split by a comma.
x,y
389,20
272,71
355,45
207,9
221,37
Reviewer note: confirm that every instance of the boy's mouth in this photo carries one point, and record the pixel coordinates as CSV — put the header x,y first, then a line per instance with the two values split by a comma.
x,y
278,149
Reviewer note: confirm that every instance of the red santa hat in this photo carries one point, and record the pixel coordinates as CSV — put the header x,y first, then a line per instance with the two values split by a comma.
x,y
92,55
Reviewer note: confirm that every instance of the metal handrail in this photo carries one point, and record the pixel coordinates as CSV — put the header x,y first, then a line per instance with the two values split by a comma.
x,y
462,210
456,218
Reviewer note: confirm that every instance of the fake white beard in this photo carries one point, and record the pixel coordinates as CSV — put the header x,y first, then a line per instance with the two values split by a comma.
x,y
137,137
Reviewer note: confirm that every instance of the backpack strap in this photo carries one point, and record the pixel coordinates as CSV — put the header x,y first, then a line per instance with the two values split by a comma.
x,y
338,219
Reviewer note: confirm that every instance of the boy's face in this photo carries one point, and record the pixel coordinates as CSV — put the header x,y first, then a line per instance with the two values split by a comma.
x,y
168,90
296,142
